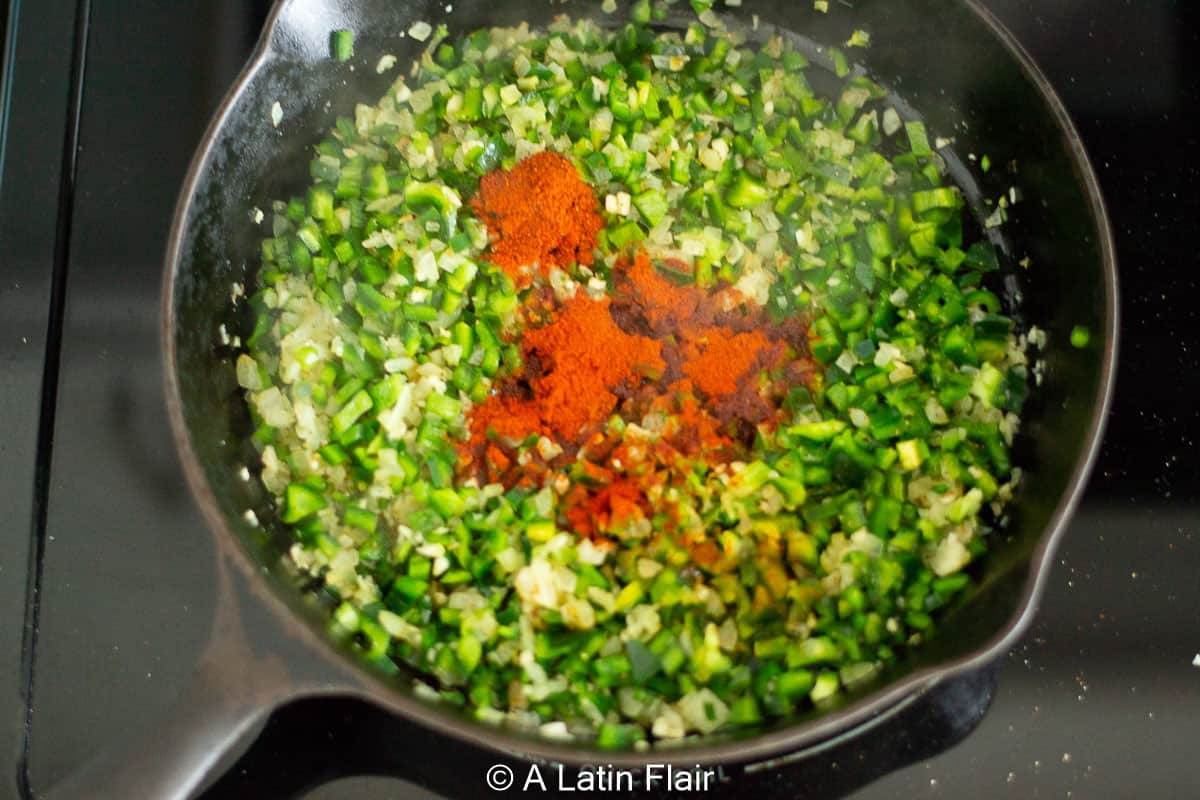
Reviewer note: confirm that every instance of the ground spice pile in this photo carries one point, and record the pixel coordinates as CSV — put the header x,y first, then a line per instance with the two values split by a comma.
x,y
691,373
702,359
574,368
722,342
540,215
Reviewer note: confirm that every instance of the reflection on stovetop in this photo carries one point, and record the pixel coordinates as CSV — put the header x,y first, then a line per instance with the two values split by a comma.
x,y
314,745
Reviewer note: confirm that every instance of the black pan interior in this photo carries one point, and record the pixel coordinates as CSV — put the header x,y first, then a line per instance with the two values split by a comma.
x,y
938,55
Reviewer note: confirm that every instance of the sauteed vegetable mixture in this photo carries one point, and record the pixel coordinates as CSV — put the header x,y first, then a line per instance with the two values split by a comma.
x,y
626,385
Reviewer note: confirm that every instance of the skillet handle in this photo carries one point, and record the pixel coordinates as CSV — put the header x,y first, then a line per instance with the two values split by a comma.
x,y
173,758
240,680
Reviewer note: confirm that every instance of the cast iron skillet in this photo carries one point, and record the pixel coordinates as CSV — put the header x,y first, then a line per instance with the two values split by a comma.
x,y
948,58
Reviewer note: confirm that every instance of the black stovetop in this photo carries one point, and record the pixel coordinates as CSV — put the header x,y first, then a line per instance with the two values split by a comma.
x,y
104,104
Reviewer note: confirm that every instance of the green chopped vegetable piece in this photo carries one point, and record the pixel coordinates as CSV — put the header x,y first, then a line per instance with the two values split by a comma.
x,y
301,501
652,205
918,139
840,65
826,686
818,431
746,192
944,197
418,194
358,405
644,664
811,651
341,45
410,588
447,502
361,518
795,685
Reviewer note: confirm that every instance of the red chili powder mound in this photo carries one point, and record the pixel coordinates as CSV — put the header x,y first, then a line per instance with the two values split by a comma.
x,y
667,307
717,357
539,212
582,356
